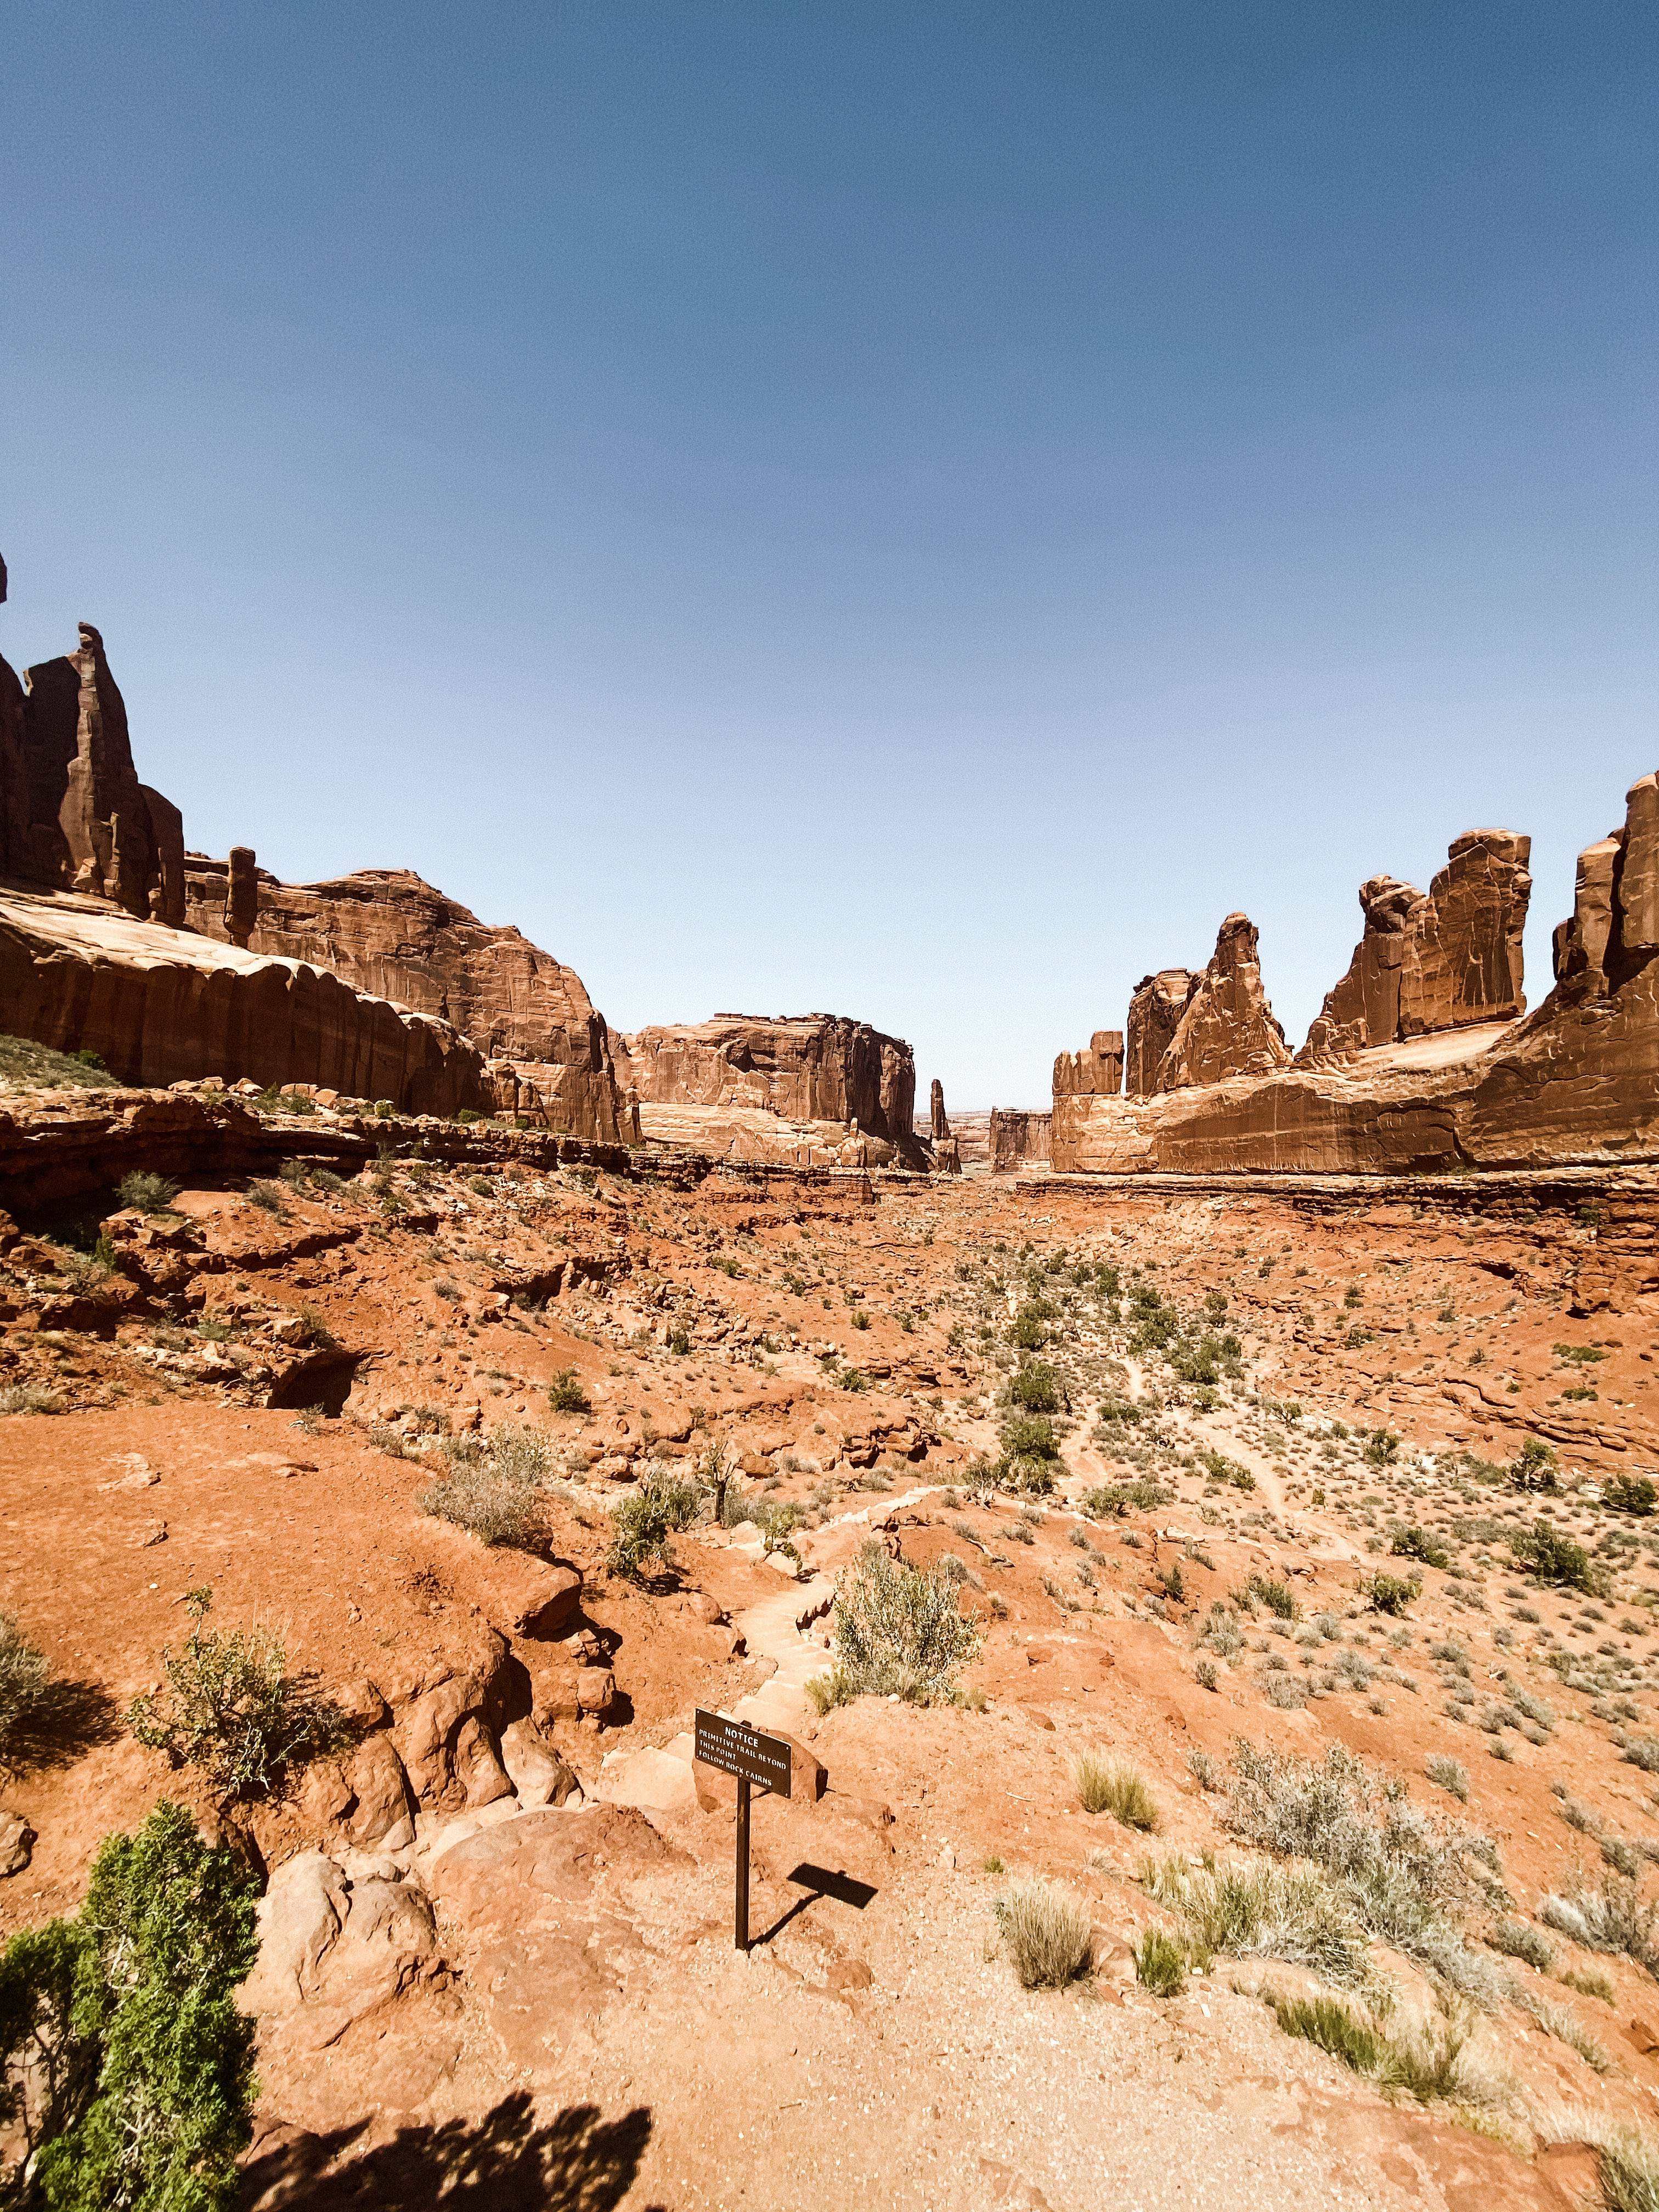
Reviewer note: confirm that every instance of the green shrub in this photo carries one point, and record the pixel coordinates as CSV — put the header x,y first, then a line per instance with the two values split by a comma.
x,y
1332,2026
899,1632
1630,1494
493,1489
642,1525
1029,1450
1028,1332
1389,1593
26,1691
1047,1930
1197,1358
267,1195
232,1708
1533,1466
1256,1909
565,1393
1161,1963
1415,1543
1550,1557
133,2067
1113,1786
1381,1448
1275,1595
1036,1388
1117,1497
147,1194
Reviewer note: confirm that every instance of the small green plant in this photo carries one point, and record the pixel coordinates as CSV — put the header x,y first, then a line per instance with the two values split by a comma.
x,y
1329,2023
266,1195
1029,1451
1415,1543
679,1342
232,1708
147,1194
26,1691
859,1318
1381,1448
1630,1494
1047,1930
129,2066
643,1524
1589,1985
1533,1467
1275,1595
1161,1963
1114,1786
1027,1333
565,1393
993,1864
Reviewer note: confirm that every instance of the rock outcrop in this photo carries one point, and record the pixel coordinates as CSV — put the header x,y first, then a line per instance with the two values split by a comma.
x,y
939,1129
1017,1139
389,934
808,1067
1226,1027
73,814
160,1005
1575,1081
1096,1074
1449,960
1156,1006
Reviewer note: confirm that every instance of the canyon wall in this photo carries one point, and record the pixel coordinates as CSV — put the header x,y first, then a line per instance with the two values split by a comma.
x,y
391,935
160,1005
1577,1080
1017,1139
809,1067
1156,1006
1096,1072
1447,960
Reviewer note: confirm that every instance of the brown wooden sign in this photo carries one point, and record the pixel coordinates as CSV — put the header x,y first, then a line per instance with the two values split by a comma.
x,y
761,1762
734,1748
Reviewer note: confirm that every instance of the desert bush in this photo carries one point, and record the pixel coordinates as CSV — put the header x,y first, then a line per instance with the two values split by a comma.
x,y
1449,1774
1415,1543
147,1194
25,1682
1381,1448
1552,1557
1288,1693
1205,1674
1046,1929
1114,1786
899,1632
1118,1498
1029,1451
1533,1467
1261,1589
1207,1772
1590,1984
1519,1939
1428,2062
565,1393
129,2066
1630,1494
1036,1388
1391,1594
1161,1963
1326,2022
491,1489
643,1524
232,1708
1258,1909
1643,1751
1612,1919
29,1398
267,1195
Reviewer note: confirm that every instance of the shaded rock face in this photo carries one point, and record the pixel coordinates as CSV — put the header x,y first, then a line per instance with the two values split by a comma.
x,y
73,814
1096,1074
1226,1027
940,1128
160,1005
1575,1081
390,933
1447,960
1017,1139
809,1067
1156,1006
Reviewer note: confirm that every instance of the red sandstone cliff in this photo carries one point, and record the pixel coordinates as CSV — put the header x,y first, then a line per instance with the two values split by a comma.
x,y
388,932
808,1067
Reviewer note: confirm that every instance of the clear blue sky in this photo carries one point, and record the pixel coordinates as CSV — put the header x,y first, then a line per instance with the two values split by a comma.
x,y
910,510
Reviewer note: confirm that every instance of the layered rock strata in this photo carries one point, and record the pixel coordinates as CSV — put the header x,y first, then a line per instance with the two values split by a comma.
x,y
1156,1006
73,813
1575,1081
1446,960
160,1005
809,1067
389,934
1017,1139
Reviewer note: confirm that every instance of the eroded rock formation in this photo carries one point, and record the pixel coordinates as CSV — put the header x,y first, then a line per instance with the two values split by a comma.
x,y
160,1005
1096,1074
1226,1027
939,1128
73,814
1445,961
1156,1006
809,1067
1017,1139
389,934
1575,1081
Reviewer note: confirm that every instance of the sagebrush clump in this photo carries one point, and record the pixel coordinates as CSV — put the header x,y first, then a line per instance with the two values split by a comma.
x,y
1047,1930
899,1632
493,1488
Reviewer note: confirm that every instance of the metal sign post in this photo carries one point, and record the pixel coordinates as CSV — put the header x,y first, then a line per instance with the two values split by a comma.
x,y
736,1748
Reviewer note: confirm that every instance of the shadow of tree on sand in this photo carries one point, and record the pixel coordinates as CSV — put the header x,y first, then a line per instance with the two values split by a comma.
x,y
505,2162
56,1723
